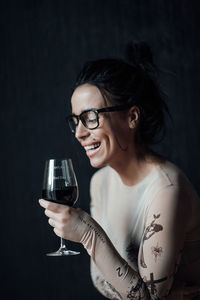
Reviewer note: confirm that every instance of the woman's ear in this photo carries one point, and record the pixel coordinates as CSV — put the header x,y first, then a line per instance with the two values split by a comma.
x,y
133,117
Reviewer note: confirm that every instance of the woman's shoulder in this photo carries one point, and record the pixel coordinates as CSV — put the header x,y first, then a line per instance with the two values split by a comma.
x,y
170,178
171,174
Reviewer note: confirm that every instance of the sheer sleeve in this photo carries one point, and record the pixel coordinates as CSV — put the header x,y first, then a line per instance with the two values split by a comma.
x,y
159,254
95,209
163,239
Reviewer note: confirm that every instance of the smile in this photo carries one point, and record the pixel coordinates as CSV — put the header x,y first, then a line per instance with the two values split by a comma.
x,y
92,147
91,150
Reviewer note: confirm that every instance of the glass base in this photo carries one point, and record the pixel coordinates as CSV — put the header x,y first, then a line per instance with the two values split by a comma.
x,y
63,252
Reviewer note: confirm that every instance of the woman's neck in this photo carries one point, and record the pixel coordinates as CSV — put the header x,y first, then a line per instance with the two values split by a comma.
x,y
133,168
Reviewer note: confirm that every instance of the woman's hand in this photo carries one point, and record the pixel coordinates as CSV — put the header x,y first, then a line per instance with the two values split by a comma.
x,y
67,221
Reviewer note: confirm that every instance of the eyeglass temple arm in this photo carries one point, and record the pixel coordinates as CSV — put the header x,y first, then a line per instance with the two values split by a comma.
x,y
113,108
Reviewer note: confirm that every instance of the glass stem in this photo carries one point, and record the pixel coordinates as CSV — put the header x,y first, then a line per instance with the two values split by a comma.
x,y
62,243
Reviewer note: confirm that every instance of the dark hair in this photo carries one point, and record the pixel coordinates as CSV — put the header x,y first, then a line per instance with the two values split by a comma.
x,y
131,81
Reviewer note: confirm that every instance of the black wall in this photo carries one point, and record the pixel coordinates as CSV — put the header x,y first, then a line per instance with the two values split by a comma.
x,y
42,46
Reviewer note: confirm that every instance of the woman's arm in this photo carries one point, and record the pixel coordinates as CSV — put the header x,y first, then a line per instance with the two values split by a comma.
x,y
163,239
159,250
76,225
103,286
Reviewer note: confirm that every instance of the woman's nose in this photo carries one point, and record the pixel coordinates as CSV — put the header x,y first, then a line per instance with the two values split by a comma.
x,y
81,131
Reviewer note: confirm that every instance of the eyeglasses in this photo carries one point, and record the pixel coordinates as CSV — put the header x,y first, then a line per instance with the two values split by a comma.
x,y
90,117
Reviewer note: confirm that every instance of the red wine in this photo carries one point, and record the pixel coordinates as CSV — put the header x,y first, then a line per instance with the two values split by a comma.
x,y
67,195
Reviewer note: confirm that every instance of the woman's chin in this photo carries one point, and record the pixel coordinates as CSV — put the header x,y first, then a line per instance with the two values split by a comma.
x,y
97,163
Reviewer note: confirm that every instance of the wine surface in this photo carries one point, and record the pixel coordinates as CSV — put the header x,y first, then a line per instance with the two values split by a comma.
x,y
66,196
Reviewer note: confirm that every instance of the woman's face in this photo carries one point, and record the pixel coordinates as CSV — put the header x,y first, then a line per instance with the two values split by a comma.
x,y
101,144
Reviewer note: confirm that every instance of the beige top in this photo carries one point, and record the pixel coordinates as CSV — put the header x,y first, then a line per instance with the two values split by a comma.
x,y
154,227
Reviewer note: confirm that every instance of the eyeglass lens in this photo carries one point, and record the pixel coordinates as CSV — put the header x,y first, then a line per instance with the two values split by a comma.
x,y
88,118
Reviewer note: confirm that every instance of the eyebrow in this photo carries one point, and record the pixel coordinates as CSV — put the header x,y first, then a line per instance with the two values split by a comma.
x,y
84,110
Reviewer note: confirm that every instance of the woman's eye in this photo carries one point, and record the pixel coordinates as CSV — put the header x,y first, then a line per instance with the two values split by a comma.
x,y
91,117
92,120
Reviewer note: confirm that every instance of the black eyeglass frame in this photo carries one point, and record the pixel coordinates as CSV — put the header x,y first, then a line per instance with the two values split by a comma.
x,y
96,111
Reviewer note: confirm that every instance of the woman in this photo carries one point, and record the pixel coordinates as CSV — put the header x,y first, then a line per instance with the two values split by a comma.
x,y
143,234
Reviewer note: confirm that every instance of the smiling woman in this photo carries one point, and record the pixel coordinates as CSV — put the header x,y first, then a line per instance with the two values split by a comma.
x,y
142,241
100,144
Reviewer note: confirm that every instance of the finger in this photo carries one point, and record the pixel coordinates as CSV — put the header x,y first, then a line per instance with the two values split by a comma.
x,y
61,217
51,214
50,205
52,222
58,232
57,225
55,216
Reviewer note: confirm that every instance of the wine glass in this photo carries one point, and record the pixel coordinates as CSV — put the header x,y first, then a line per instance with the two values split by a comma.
x,y
60,186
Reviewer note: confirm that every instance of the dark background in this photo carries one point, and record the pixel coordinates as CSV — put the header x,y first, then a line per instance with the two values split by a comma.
x,y
43,44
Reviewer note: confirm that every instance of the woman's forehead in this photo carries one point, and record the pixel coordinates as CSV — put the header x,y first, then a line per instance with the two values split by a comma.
x,y
86,96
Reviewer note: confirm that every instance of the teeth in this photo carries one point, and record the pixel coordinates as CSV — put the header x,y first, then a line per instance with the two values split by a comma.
x,y
91,146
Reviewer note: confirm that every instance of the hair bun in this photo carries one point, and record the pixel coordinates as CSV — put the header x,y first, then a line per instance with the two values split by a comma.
x,y
138,54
